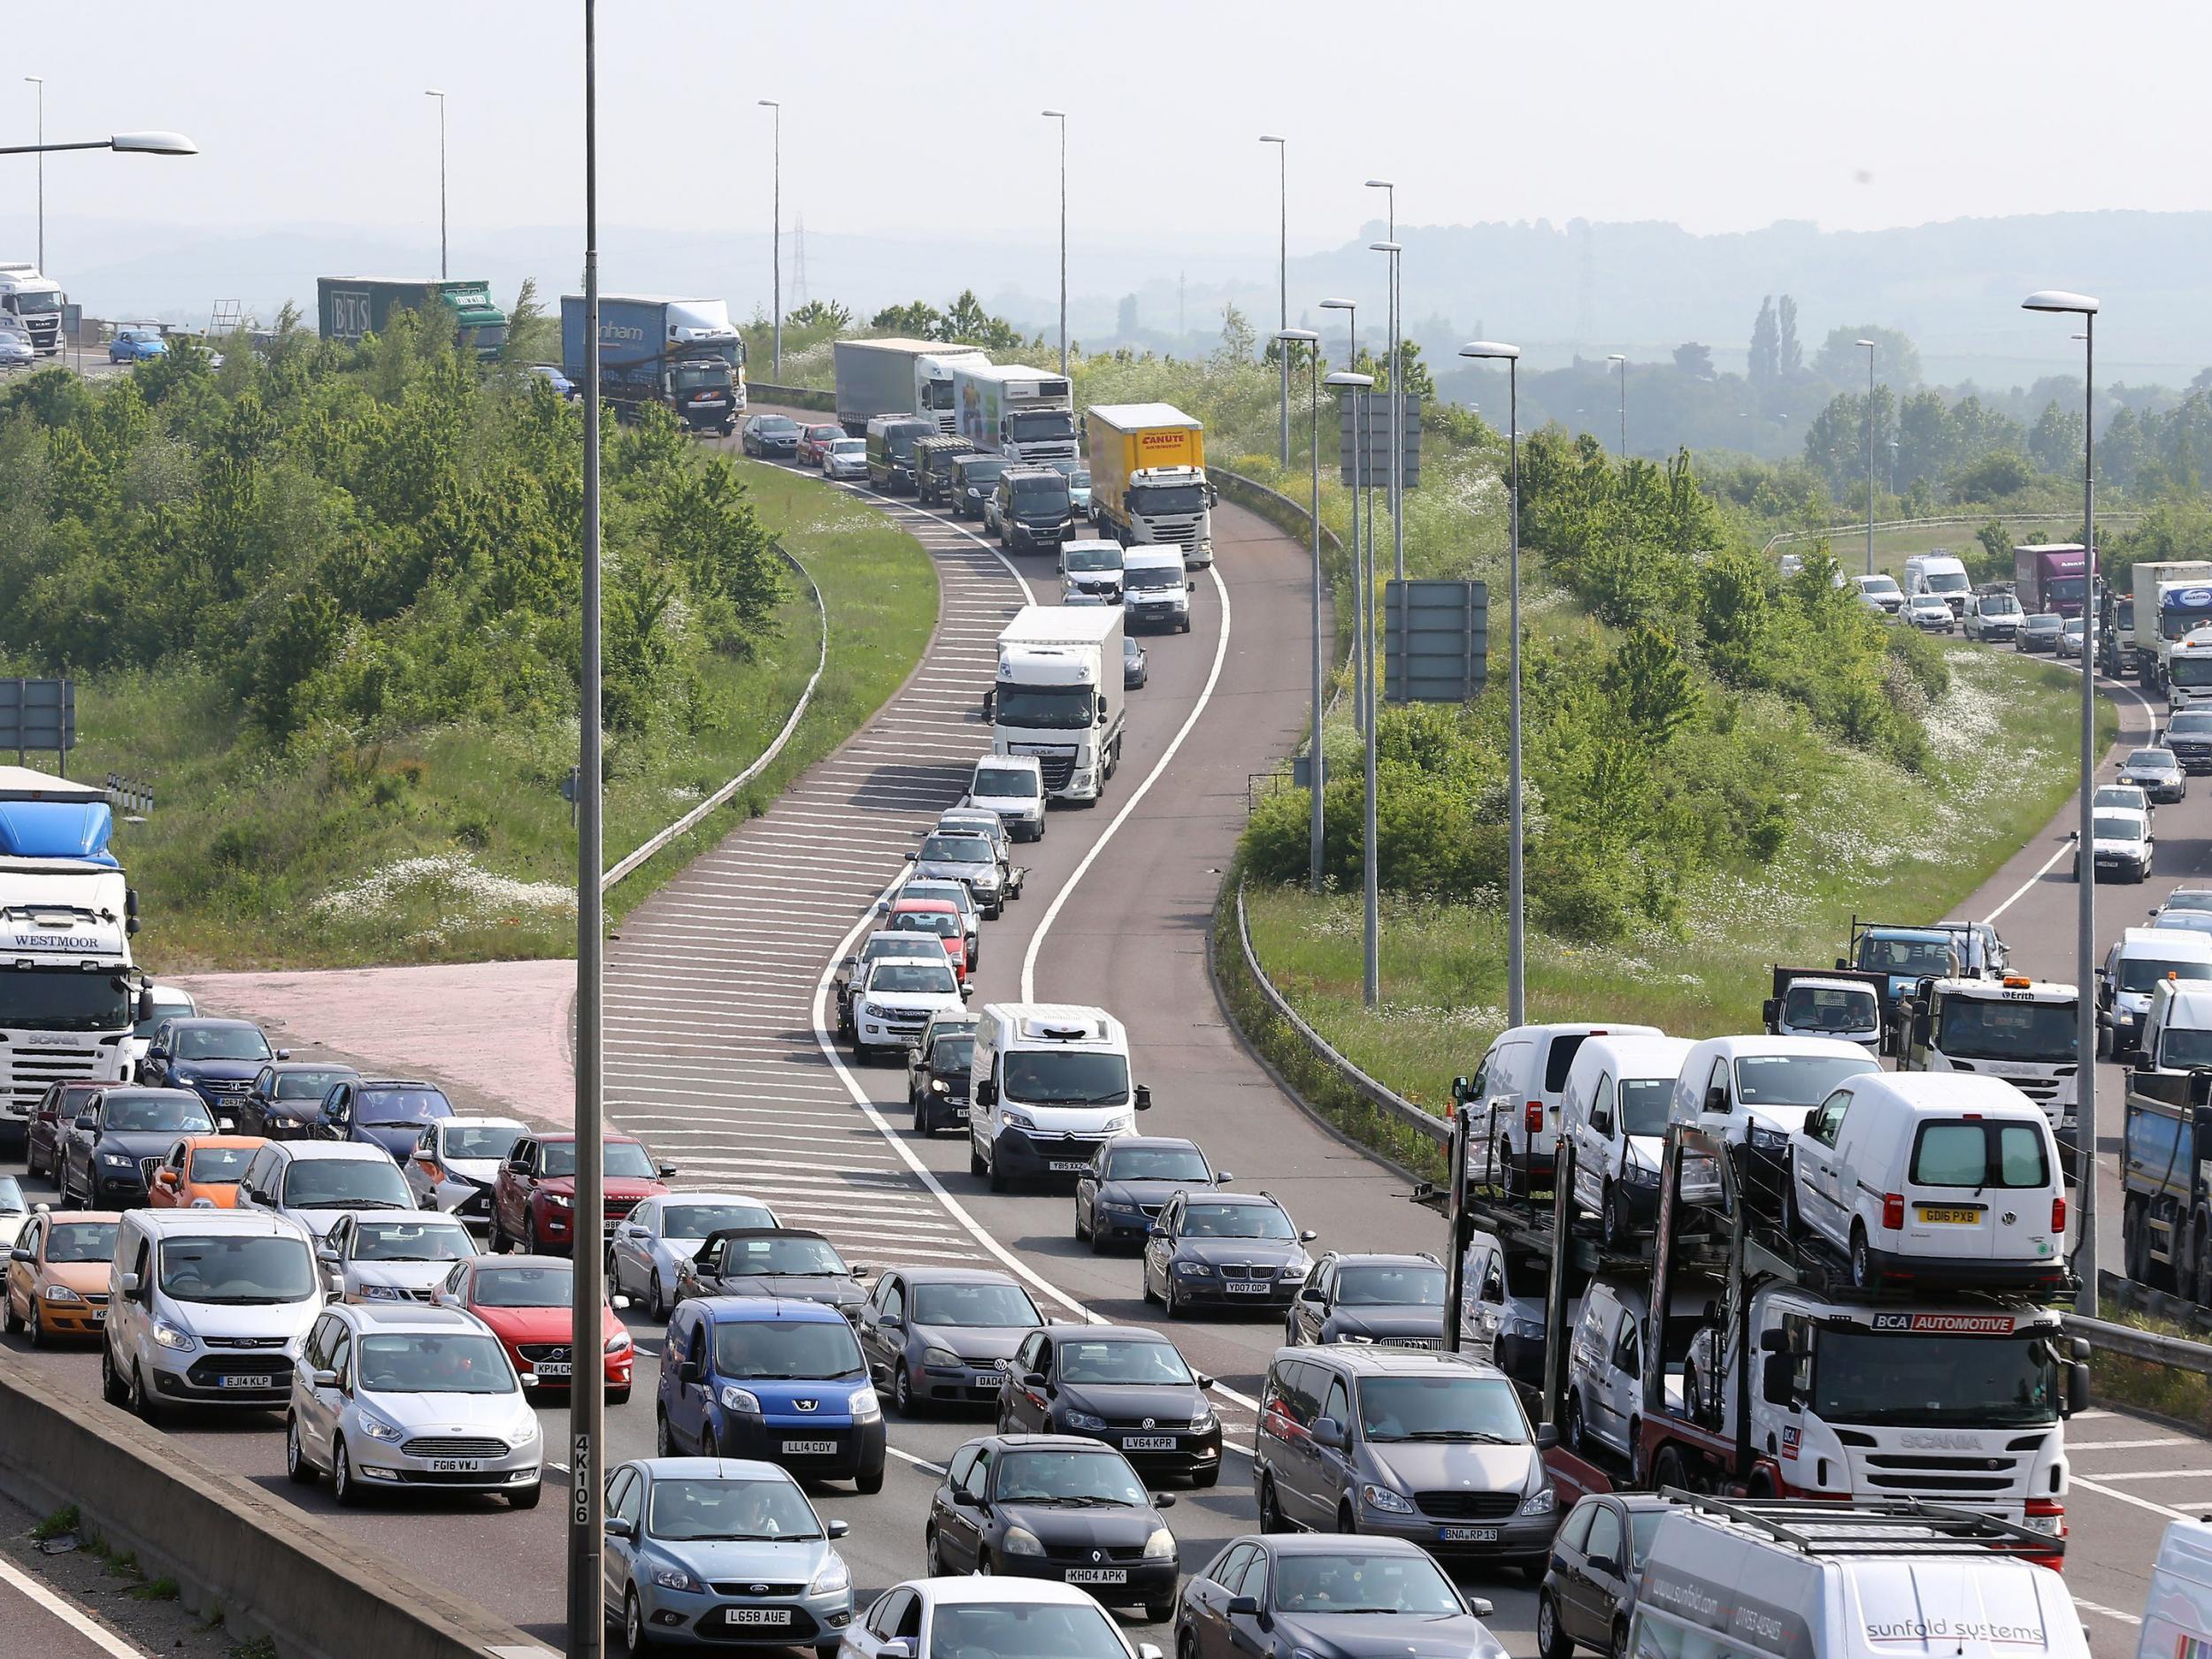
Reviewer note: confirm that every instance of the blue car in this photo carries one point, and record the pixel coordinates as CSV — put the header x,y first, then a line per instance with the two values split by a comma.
x,y
382,1111
774,1379
136,345
713,1552
217,1059
553,376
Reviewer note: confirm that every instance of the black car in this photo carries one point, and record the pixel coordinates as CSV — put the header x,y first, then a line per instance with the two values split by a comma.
x,y
2157,773
1229,1249
973,478
1588,1597
771,436
385,1112
1129,1182
1370,1298
1124,1384
217,1059
937,1074
2039,632
2189,736
1054,1506
771,1261
103,1153
937,1334
1299,1595
285,1100
1135,669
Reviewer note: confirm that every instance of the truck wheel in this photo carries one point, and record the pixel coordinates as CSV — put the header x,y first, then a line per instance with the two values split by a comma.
x,y
2134,1244
1667,1470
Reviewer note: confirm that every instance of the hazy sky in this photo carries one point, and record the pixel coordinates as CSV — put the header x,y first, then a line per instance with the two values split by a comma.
x,y
1721,116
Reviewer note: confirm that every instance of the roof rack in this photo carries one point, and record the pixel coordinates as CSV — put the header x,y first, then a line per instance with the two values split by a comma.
x,y
1872,1526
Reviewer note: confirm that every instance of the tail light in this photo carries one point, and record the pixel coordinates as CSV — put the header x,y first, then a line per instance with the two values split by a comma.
x,y
1535,1117
1892,1211
2058,1215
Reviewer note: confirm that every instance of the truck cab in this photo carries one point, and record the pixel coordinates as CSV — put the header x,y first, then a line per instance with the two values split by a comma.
x,y
2024,1031
1815,1004
35,301
1058,696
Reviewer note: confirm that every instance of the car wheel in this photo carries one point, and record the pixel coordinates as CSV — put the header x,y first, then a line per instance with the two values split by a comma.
x,y
1551,1641
1612,1223
656,1296
1578,1436
1503,1171
144,1404
343,1487
1159,1612
1347,1522
9,1323
664,1437
976,1165
997,1176
111,1389
1171,1302
1186,1644
903,1391
1206,1479
530,1236
40,1337
1667,1471
495,1237
526,1497
869,1482
1618,1648
619,1396
296,1468
1272,1517
929,1555
636,1639
1862,1259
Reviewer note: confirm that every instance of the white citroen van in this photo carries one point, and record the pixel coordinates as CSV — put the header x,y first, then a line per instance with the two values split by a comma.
x,y
1049,1084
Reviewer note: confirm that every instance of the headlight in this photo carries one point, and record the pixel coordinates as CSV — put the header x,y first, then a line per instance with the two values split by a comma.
x,y
558,1201
865,1405
1768,1139
1160,1546
1637,1175
174,1336
1120,1126
60,1292
117,1161
1296,1271
1020,1541
619,1343
1538,1503
1195,1270
737,1398
382,1292
677,1578
1083,1420
985,878
1204,1421
833,1577
1352,1336
942,1359
378,1429
526,1429
1383,1499
1014,1119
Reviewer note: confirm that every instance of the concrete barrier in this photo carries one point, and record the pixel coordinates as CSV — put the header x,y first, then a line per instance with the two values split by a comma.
x,y
271,1569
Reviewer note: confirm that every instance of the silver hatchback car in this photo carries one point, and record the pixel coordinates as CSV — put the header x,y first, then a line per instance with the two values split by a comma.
x,y
404,1398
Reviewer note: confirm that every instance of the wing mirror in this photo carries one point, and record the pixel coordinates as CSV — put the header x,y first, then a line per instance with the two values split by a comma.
x,y
1307,1236
1156,1230
324,1379
619,1526
1771,1011
838,1528
128,1283
897,1647
1222,1177
666,1172
1144,1097
1482,1605
966,990
693,1370
1330,1432
18,1253
1547,1437
284,1054
1162,1500
962,1499
1244,1606
1775,1378
146,1004
86,1124
987,1093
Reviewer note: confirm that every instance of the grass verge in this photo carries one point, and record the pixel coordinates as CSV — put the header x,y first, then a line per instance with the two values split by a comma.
x,y
454,844
1871,840
2181,1396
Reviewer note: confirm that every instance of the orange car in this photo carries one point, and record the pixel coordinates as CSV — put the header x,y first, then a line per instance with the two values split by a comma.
x,y
57,1274
940,917
202,1167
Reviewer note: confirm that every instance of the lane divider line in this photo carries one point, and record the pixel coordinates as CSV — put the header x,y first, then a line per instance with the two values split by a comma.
x,y
2128,1497
2109,1612
68,1612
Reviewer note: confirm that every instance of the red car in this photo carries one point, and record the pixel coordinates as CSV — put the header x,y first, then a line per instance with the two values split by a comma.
x,y
533,1195
526,1301
48,1125
814,442
940,917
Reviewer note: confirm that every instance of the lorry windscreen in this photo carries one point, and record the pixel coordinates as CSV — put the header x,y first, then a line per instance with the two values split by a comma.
x,y
59,999
1923,1380
2183,1048
939,394
1058,1078
1051,423
2176,620
2190,671
2066,587
1045,708
1943,582
703,377
1916,957
1984,1028
1168,498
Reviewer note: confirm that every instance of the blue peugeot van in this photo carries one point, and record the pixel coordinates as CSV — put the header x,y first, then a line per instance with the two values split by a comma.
x,y
779,1380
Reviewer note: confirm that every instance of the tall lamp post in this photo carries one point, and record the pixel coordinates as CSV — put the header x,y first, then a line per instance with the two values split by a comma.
x,y
776,231
1282,277
1389,244
1285,340
122,143
2085,920
1371,975
1061,116
1359,471
1869,345
433,92
587,1403
1621,358
1515,989
40,82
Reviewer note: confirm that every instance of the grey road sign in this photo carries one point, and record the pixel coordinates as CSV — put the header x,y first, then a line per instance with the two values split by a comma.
x,y
38,714
1377,412
1435,640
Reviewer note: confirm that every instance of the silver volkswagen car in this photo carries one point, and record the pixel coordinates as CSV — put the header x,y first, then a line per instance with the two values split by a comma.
x,y
392,1398
651,1244
393,1256
970,859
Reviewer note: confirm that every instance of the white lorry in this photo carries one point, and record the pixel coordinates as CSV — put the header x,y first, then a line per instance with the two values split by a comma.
x,y
897,377
2024,1031
69,991
1023,414
2172,598
35,301
1059,696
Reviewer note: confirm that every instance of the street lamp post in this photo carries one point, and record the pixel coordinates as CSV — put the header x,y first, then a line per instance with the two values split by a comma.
x,y
588,1401
1869,345
1371,975
123,144
1359,471
1284,340
1061,116
40,82
1282,278
1397,382
1515,989
1619,357
2083,306
433,92
776,232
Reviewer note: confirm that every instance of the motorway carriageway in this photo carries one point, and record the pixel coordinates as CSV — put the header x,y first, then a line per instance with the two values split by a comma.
x,y
731,1072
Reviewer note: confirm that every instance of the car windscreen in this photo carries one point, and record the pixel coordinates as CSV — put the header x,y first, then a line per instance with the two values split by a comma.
x,y
180,1114
1980,1153
955,892
2042,622
950,1057
1821,1008
526,1287
783,1256
769,1349
1945,582
1122,1361
218,1166
392,1106
2113,827
1921,1380
395,1240
237,1271
1794,1079
344,1183
81,1242
1007,782
955,849
1045,1078
700,1508
1047,494
980,1307
2151,760
2119,794
775,426
2190,725
1341,1582
1644,1102
307,1085
434,1363
900,441
1079,1478
11,1200
1879,584
942,923
2143,973
486,1141
912,978
1151,578
1236,1221
698,1220
1392,1285
1440,1408
848,446
981,475
2000,605
222,1042
625,1160
1158,1163
1024,1630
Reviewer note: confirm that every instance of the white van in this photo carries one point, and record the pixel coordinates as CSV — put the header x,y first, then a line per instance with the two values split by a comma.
x,y
206,1307
1753,1093
1155,589
1090,572
2133,968
1614,1114
1940,574
1605,1369
1515,1092
1502,1300
1013,786
2178,1613
1776,1580
1049,1084
1941,1177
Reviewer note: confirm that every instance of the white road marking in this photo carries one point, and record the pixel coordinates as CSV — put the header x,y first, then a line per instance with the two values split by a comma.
x,y
68,1613
919,1463
2128,1497
2077,1447
2153,1474
2108,1612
